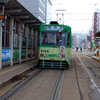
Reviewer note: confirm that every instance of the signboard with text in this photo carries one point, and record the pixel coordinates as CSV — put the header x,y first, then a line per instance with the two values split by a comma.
x,y
6,54
15,53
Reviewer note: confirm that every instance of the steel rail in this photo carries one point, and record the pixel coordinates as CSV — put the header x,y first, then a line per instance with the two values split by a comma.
x,y
10,93
90,74
79,89
93,78
91,59
56,93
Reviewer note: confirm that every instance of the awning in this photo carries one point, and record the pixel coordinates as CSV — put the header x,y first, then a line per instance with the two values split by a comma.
x,y
97,34
16,10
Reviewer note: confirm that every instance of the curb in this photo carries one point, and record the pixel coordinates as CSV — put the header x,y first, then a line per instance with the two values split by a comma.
x,y
96,58
10,80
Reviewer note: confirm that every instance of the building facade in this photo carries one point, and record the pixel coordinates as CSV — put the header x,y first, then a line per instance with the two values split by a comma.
x,y
19,26
95,29
49,11
73,41
77,41
41,9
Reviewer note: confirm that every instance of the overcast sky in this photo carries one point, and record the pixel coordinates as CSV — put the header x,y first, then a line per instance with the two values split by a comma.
x,y
78,14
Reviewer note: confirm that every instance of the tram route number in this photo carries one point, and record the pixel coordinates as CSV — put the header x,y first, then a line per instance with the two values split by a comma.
x,y
62,49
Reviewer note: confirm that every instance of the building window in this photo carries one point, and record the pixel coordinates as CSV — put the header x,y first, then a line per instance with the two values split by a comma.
x,y
29,32
15,39
24,31
16,34
6,33
16,27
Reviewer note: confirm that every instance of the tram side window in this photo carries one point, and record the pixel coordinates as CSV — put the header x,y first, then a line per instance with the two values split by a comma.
x,y
68,39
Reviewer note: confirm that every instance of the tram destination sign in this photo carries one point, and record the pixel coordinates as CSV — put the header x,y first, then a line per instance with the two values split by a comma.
x,y
54,28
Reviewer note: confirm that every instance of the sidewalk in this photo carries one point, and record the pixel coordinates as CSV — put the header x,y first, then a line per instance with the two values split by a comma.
x,y
10,72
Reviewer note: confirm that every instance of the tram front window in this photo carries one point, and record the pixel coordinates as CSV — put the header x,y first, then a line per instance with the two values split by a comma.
x,y
53,39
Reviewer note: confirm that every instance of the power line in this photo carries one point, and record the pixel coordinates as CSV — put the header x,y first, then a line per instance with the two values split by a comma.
x,y
66,13
73,19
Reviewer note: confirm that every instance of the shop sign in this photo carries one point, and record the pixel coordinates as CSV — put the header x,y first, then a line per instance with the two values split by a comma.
x,y
6,54
15,53
1,17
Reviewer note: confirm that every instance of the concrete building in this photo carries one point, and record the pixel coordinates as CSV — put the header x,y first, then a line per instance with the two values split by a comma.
x,y
41,9
77,41
96,28
19,24
73,40
36,7
48,11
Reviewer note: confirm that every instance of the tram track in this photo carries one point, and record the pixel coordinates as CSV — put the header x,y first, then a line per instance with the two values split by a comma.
x,y
80,92
93,62
58,87
85,65
93,69
10,93
55,94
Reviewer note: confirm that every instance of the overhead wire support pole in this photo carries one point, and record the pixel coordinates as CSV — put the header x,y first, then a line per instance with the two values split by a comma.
x,y
2,13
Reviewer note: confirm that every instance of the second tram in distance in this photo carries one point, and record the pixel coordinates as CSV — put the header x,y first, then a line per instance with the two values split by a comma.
x,y
55,42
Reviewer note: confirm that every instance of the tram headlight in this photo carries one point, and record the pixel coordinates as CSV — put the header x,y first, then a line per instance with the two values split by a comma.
x,y
43,55
63,55
59,55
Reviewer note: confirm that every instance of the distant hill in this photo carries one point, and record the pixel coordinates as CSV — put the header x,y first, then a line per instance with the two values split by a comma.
x,y
81,35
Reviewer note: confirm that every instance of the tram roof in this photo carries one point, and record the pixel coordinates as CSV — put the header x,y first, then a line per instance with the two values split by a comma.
x,y
19,12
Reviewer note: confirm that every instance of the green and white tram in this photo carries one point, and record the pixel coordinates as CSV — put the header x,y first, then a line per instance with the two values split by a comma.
x,y
55,42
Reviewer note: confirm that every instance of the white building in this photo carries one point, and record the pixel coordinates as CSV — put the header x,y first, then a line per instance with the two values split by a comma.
x,y
98,19
49,11
74,40
41,9
77,41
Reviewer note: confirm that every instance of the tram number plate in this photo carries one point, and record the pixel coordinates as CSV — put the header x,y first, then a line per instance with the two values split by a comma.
x,y
62,49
